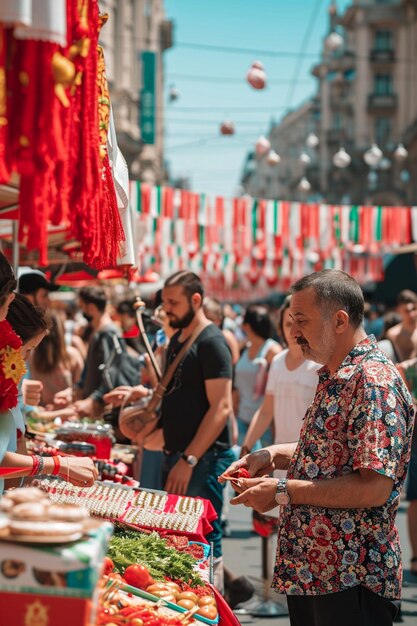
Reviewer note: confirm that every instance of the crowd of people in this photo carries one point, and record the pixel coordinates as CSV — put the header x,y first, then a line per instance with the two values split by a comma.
x,y
315,400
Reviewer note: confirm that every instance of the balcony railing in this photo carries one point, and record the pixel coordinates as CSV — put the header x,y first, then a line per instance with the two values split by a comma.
x,y
380,102
382,55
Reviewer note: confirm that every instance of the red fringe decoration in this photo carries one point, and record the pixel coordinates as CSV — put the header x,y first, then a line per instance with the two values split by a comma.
x,y
54,147
4,128
96,222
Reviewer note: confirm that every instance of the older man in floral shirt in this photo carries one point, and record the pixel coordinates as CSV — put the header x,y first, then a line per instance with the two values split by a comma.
x,y
338,556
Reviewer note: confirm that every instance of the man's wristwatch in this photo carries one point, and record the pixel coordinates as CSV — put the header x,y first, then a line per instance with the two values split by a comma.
x,y
282,497
190,459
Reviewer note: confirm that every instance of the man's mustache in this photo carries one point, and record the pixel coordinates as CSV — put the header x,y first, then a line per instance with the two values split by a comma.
x,y
301,341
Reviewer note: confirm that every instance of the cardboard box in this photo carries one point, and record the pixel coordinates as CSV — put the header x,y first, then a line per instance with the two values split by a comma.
x,y
30,609
70,570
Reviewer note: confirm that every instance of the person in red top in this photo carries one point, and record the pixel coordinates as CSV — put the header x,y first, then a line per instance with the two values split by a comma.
x,y
338,555
130,328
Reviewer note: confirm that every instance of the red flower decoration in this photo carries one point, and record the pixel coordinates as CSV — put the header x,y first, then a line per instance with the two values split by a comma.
x,y
9,343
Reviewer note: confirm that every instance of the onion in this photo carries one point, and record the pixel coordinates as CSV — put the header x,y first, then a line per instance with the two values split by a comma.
x,y
186,604
188,595
206,600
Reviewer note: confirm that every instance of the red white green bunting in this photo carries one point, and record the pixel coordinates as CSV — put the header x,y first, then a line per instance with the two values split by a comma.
x,y
240,243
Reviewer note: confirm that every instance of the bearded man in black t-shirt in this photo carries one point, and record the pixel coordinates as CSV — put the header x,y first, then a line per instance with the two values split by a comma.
x,y
197,405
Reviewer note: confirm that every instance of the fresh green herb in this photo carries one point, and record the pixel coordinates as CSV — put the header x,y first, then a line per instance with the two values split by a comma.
x,y
128,547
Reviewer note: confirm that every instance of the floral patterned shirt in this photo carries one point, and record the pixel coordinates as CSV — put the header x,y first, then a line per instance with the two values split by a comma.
x,y
361,417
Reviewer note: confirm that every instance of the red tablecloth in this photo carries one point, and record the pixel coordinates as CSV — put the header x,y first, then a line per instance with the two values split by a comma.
x,y
226,615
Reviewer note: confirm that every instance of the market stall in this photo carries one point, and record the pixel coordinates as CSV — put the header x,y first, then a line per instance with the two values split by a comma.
x,y
72,554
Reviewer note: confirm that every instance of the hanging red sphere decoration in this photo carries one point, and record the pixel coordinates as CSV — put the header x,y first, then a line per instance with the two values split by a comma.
x,y
227,128
256,75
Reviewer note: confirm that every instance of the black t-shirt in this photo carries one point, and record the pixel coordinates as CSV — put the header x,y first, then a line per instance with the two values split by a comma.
x,y
101,344
185,402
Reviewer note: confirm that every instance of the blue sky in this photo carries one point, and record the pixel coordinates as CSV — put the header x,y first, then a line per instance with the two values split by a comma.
x,y
193,145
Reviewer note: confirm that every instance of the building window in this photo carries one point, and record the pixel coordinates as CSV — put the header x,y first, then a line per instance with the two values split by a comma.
x,y
147,9
382,131
383,40
383,85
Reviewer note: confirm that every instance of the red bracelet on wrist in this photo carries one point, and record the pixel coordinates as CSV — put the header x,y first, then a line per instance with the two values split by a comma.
x,y
35,466
57,465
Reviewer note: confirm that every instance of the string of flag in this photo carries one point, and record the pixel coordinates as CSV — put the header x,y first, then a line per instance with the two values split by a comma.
x,y
243,242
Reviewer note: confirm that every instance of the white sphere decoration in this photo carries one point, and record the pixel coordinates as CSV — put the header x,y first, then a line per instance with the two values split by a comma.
x,y
273,158
256,75
304,184
341,159
373,156
262,146
400,153
334,41
305,159
385,164
312,141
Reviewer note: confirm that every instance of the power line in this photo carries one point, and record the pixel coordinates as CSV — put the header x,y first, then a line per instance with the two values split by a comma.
x,y
303,54
179,133
149,44
205,121
190,144
225,79
238,50
225,109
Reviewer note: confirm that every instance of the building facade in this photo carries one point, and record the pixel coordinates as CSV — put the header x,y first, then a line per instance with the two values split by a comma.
x,y
134,39
366,94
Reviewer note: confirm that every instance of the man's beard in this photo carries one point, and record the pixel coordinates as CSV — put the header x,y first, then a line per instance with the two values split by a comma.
x,y
182,322
325,350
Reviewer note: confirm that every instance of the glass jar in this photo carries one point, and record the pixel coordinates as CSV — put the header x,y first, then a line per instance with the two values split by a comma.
x,y
102,438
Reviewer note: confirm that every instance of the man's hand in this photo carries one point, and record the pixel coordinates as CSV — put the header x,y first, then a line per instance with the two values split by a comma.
x,y
84,408
257,463
63,398
117,395
179,478
256,493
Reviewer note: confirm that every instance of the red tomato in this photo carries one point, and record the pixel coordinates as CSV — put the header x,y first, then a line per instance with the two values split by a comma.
x,y
137,576
108,566
242,472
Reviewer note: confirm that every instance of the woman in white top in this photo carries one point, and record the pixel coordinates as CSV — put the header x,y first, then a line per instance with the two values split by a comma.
x,y
292,382
251,371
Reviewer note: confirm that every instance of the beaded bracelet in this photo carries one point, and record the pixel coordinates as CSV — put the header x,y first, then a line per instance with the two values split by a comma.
x,y
39,470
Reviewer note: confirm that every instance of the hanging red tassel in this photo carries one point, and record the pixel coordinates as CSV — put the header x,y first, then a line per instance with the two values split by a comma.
x,y
4,121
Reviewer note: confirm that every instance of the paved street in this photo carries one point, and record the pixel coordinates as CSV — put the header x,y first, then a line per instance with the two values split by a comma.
x,y
242,553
